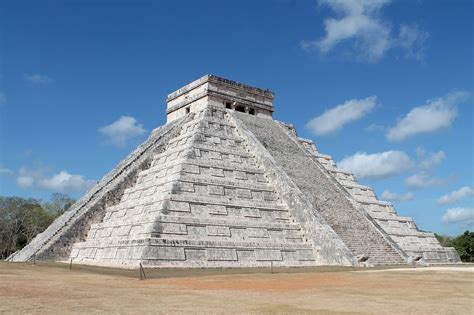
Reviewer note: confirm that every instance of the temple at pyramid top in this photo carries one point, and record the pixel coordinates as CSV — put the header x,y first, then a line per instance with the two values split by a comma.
x,y
214,90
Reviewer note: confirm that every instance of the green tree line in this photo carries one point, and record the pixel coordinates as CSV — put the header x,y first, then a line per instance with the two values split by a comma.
x,y
21,219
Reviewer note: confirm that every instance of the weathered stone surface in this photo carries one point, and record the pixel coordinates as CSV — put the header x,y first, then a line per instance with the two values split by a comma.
x,y
218,188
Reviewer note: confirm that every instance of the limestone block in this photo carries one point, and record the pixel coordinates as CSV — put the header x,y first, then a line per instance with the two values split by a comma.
x,y
195,254
218,230
123,253
215,190
173,228
246,255
217,172
189,168
221,254
184,187
268,254
106,232
164,253
230,192
305,254
121,230
136,229
251,212
214,155
240,175
257,233
244,193
176,206
106,253
217,209
269,196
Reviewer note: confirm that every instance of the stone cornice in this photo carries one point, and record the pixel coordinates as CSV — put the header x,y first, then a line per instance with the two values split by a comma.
x,y
218,80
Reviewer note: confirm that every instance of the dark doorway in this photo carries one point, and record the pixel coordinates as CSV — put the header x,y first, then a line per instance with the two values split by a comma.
x,y
240,109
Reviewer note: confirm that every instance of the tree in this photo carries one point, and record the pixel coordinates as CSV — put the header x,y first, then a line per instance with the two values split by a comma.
x,y
464,245
58,204
445,241
22,219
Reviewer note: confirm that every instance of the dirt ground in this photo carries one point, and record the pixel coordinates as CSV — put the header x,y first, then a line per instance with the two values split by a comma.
x,y
53,288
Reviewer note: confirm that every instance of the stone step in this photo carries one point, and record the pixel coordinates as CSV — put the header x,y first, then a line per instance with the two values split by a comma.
x,y
198,244
232,202
233,222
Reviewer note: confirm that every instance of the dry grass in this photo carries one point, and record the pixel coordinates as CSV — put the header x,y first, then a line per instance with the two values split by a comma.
x,y
53,288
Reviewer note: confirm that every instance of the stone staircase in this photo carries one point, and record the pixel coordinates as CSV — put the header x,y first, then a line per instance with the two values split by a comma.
x,y
361,234
416,244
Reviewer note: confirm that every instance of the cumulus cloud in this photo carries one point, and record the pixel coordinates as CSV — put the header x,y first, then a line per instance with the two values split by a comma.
x,y
65,182
335,118
436,114
122,130
359,23
430,159
424,180
412,41
377,165
461,193
463,216
38,79
393,196
39,177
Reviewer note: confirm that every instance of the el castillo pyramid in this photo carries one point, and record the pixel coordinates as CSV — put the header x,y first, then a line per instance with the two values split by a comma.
x,y
222,184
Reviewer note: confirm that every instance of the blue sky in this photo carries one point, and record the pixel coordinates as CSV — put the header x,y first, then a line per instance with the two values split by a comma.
x,y
385,87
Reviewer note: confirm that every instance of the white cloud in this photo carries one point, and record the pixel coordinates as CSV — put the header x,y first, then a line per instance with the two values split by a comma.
x,y
65,182
39,79
412,41
28,176
464,216
122,130
359,23
3,98
424,180
376,165
335,118
392,196
375,128
5,171
39,177
430,159
436,114
25,181
461,193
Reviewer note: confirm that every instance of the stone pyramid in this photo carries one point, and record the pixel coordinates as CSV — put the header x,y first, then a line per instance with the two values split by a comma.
x,y
222,184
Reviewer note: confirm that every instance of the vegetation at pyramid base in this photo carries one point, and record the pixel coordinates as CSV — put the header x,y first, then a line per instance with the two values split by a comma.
x,y
463,243
21,219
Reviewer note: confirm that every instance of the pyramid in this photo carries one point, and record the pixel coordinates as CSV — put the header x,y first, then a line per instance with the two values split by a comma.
x,y
222,184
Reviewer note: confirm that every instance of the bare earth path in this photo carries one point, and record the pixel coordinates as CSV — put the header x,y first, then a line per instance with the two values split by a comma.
x,y
56,289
